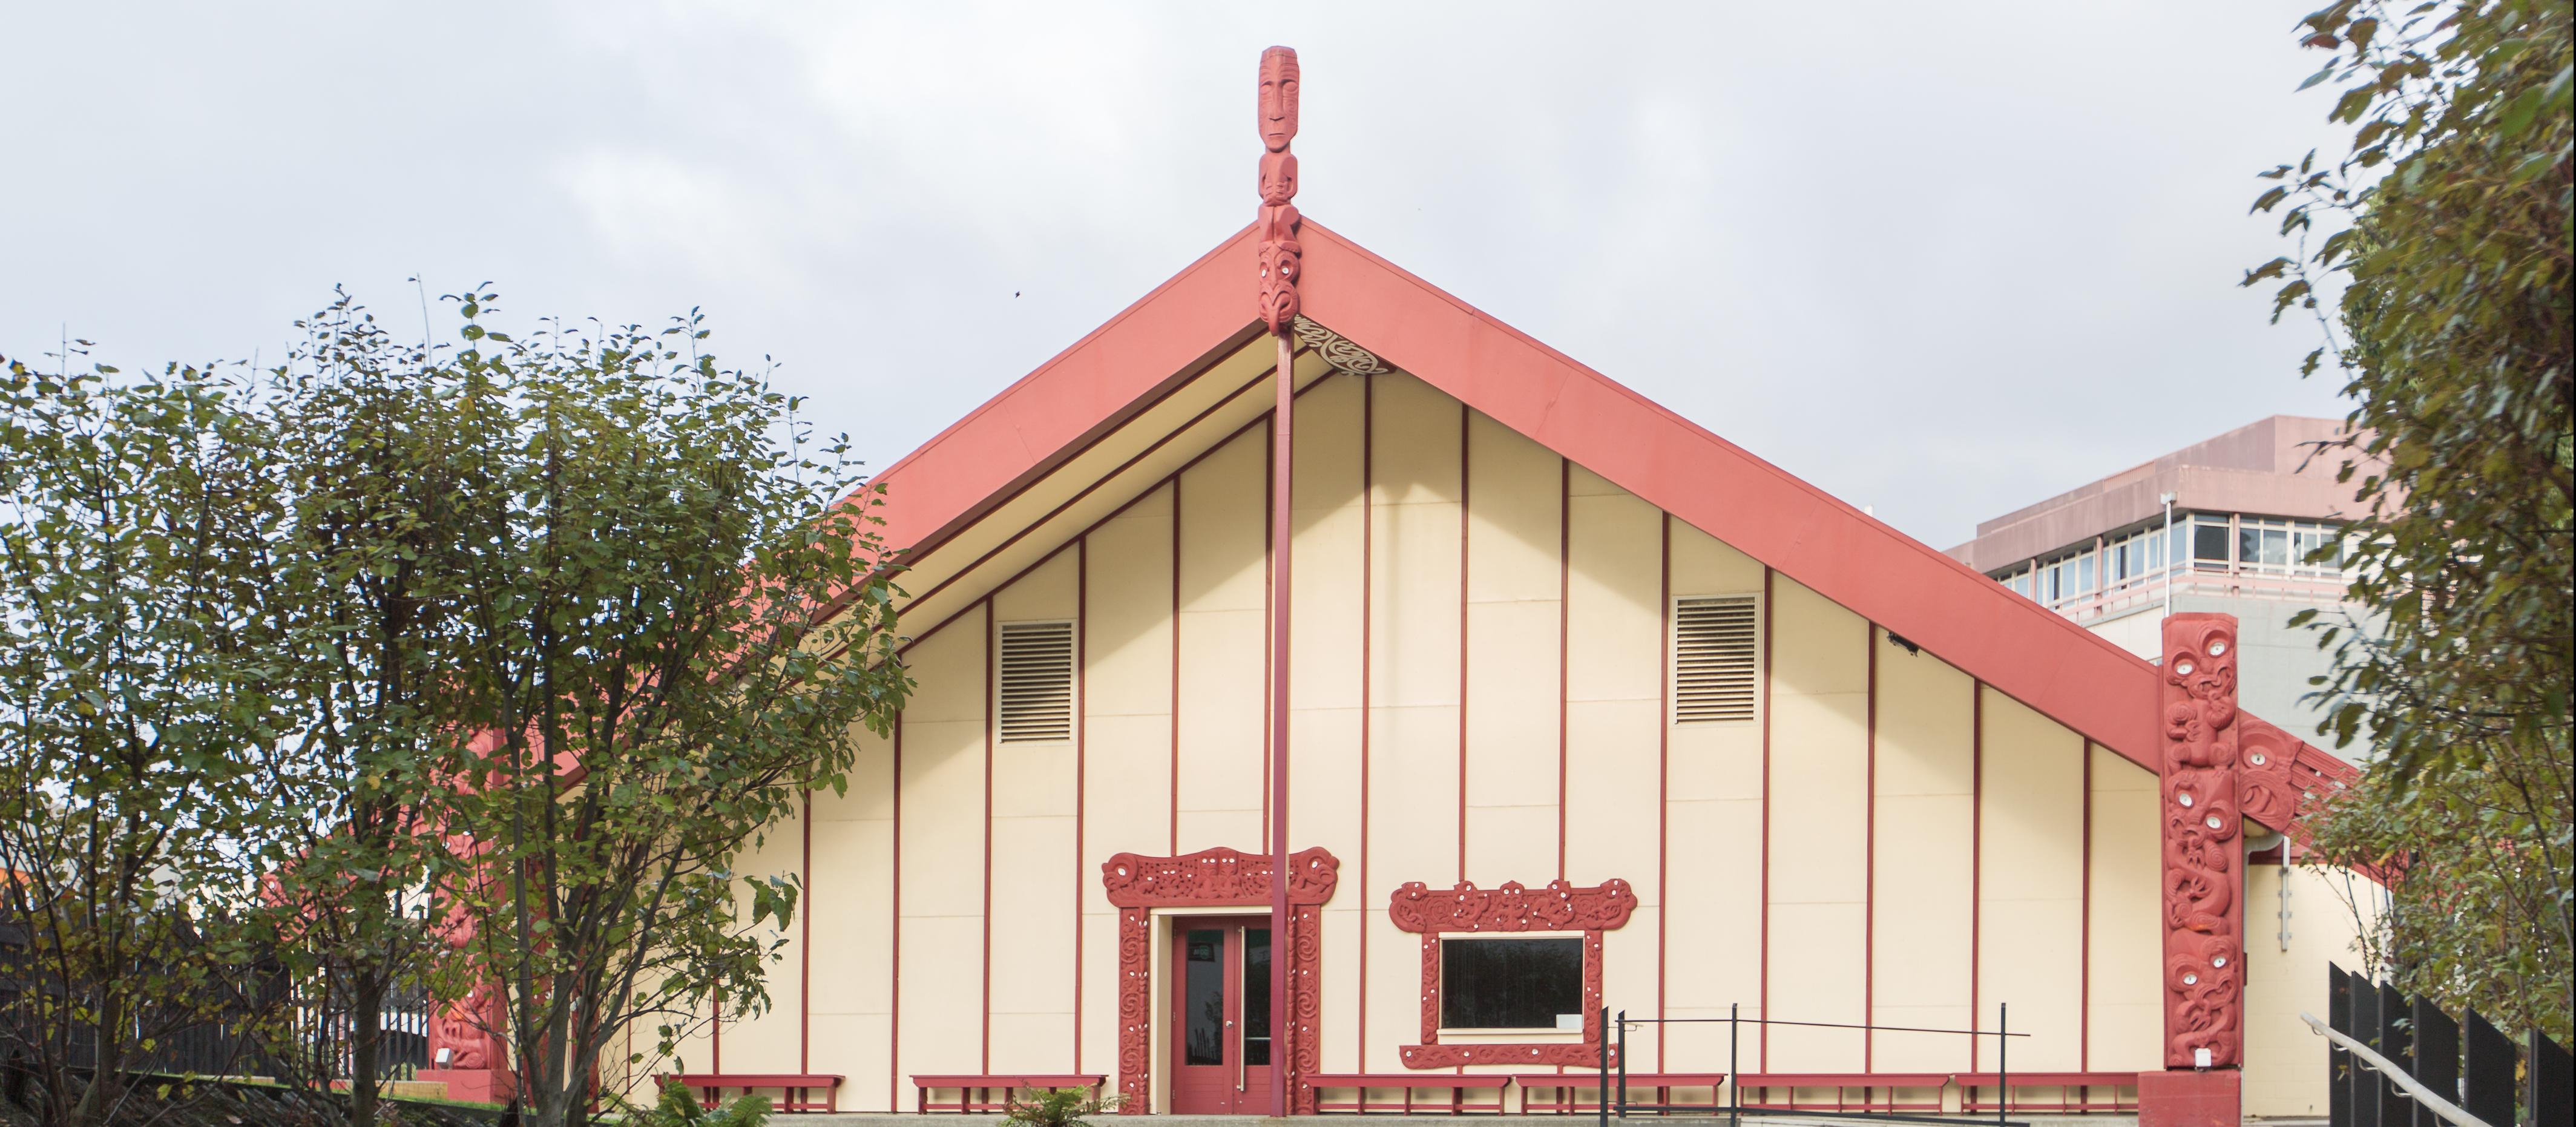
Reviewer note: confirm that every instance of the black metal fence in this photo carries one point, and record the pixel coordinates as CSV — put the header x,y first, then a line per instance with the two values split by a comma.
x,y
2401,1062
1614,1069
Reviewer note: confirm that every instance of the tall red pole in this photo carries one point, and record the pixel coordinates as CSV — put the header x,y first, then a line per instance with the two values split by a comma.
x,y
1280,255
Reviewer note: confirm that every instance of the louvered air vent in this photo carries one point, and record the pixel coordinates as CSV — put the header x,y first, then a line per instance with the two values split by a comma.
x,y
1715,642
1037,681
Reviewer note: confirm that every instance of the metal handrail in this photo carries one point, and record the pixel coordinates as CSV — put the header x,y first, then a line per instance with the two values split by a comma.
x,y
2414,1089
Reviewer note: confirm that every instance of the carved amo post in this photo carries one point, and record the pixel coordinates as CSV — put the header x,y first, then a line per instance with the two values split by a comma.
x,y
2203,866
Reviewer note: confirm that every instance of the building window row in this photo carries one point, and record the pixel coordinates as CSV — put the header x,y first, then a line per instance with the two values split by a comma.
x,y
2202,542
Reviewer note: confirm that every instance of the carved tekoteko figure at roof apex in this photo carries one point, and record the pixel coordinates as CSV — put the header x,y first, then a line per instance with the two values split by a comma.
x,y
1278,218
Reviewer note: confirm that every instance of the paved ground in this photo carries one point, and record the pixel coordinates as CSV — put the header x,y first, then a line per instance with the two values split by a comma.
x,y
880,1119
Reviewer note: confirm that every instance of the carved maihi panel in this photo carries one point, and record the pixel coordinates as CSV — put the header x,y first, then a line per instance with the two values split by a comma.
x,y
2203,877
1215,876
1512,907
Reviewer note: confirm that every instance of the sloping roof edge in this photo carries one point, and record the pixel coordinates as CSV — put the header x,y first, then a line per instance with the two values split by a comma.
x,y
2022,650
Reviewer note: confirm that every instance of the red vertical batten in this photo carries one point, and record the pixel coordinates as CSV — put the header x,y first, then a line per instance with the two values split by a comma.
x,y
894,919
1663,768
1869,864
1564,626
1368,718
1282,490
1175,777
1269,611
1081,766
1976,858
2084,973
1465,417
1763,1051
992,630
805,945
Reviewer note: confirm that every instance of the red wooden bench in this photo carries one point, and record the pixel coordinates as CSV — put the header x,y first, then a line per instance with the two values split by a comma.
x,y
1843,1084
793,1087
2073,1091
1565,1083
1455,1083
975,1090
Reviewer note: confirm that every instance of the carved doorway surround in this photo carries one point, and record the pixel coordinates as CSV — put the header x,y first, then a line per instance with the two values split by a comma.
x,y
1467,909
1217,877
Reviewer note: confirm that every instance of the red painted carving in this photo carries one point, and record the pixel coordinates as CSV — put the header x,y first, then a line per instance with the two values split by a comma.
x,y
1513,907
2280,771
2203,918
1280,254
1215,877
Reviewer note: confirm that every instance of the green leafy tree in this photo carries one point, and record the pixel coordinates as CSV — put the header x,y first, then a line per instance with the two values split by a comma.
x,y
676,615
134,532
2447,227
360,611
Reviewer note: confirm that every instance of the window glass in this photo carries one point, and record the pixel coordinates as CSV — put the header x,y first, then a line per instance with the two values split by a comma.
x,y
1509,983
1203,1012
2084,573
1256,995
2021,583
2209,543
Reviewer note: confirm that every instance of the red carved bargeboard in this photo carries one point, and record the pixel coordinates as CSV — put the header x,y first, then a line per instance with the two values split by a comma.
x,y
2204,920
1513,907
1212,878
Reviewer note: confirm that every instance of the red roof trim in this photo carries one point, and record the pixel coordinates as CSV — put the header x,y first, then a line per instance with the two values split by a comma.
x,y
1905,586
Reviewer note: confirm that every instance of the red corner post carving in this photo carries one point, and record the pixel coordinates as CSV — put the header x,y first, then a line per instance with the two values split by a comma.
x,y
2203,910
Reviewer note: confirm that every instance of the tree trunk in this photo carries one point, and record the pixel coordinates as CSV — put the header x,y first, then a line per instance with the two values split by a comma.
x,y
366,1037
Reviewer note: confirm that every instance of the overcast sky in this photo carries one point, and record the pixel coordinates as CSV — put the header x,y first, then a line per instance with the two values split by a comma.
x,y
1940,259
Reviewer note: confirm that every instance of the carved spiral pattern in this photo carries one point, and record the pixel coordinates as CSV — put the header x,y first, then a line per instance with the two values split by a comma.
x,y
1135,1003
2203,777
1513,907
1338,351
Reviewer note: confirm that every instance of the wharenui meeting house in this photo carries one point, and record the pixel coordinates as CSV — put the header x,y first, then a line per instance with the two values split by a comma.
x,y
1331,699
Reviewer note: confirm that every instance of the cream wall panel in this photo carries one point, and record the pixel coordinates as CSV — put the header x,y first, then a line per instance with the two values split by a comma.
x,y
1127,694
1223,651
1340,1008
2285,1064
1413,641
1714,761
1325,630
942,1024
943,781
768,1041
1394,1000
1819,679
1924,766
1614,689
1514,574
1714,836
1037,871
850,894
2031,888
2126,1021
1815,976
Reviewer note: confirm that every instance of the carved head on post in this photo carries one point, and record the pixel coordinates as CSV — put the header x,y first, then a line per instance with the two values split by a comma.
x,y
1278,115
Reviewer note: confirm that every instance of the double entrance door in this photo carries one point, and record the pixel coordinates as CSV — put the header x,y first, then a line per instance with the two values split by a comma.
x,y
1221,1045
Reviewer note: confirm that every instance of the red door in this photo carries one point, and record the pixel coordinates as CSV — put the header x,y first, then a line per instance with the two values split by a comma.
x,y
1221,1015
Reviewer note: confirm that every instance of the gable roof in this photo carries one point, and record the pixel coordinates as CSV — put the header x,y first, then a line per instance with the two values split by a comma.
x,y
1205,312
